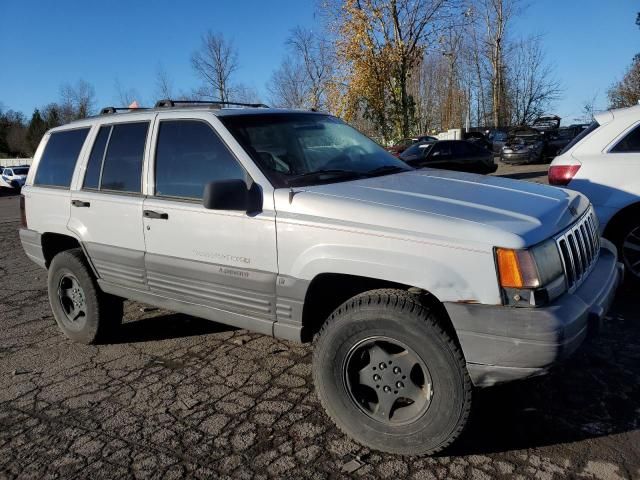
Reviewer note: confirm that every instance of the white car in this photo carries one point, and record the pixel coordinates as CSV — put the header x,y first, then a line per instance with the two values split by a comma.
x,y
416,284
13,177
603,162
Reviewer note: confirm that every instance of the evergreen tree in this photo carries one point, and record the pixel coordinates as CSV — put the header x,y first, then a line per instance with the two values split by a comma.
x,y
35,131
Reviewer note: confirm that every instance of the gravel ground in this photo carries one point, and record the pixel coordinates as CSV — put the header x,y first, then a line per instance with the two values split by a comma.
x,y
175,396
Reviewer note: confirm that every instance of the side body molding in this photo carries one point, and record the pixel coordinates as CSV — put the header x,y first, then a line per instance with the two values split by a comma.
x,y
244,298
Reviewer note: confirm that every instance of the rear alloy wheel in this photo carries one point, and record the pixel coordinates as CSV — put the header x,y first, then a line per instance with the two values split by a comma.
x,y
390,376
82,311
72,301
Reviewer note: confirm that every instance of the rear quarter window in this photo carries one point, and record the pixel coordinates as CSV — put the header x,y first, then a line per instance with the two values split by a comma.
x,y
630,143
59,158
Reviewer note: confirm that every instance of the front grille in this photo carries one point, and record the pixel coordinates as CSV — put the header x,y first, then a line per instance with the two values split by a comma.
x,y
579,247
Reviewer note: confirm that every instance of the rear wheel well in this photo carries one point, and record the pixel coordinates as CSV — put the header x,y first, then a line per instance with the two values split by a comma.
x,y
54,243
617,221
328,291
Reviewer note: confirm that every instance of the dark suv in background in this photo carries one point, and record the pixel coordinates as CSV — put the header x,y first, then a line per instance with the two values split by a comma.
x,y
459,155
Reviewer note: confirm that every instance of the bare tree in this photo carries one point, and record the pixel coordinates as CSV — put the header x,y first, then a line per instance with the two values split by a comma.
x,y
496,16
245,93
215,63
287,86
125,96
77,101
164,85
532,87
303,78
317,60
588,110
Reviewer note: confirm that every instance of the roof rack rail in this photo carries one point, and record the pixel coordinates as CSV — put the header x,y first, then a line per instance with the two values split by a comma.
x,y
168,103
110,110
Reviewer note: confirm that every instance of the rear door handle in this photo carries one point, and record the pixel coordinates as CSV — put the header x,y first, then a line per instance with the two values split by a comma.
x,y
158,215
80,203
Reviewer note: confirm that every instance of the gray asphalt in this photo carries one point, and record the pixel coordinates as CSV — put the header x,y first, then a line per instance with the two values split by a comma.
x,y
174,396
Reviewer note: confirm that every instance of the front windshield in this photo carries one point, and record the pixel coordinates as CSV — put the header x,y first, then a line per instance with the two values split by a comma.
x,y
20,171
294,149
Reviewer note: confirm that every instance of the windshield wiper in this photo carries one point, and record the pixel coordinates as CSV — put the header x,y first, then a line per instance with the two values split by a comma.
x,y
387,169
332,173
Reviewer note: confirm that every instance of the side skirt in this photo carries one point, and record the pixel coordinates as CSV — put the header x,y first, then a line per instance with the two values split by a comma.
x,y
260,325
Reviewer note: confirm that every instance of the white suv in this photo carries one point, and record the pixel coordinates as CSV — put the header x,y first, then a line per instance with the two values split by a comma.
x,y
416,284
603,163
13,177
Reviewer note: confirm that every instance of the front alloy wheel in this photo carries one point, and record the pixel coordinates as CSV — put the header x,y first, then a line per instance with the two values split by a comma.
x,y
388,380
390,376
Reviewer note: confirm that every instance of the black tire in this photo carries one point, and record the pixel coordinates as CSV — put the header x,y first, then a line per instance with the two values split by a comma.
x,y
102,313
627,228
400,317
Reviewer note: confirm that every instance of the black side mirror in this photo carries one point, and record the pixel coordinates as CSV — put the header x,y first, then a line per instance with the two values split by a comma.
x,y
232,195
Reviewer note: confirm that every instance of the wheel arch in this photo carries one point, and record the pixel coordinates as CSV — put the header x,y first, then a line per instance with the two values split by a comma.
x,y
55,243
619,218
327,291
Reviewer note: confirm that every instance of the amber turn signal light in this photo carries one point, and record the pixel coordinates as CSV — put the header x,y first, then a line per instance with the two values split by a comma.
x,y
509,268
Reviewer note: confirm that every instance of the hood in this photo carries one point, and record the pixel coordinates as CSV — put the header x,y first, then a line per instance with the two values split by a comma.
x,y
448,206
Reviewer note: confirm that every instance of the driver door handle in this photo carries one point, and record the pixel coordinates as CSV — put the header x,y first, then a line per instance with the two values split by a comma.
x,y
80,203
156,215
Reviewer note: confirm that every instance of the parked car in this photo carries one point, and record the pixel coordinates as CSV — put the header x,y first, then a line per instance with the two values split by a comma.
x,y
523,145
416,284
459,155
402,145
13,177
603,162
559,139
479,139
497,139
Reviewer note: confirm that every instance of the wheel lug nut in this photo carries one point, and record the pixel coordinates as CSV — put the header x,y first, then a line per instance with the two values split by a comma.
x,y
399,384
382,366
376,377
396,370
387,389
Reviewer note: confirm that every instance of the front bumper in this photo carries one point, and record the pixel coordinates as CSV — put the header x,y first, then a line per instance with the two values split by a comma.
x,y
502,343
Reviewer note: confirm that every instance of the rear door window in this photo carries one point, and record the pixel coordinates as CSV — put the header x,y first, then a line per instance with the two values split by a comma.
x,y
630,143
59,158
94,166
122,166
189,154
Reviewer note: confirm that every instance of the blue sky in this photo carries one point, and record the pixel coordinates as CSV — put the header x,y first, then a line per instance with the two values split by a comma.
x,y
44,44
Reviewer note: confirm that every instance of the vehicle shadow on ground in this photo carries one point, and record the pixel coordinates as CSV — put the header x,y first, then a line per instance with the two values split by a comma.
x,y
595,393
165,327
524,175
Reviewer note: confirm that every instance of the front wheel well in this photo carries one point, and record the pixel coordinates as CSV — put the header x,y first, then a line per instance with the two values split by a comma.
x,y
54,243
328,291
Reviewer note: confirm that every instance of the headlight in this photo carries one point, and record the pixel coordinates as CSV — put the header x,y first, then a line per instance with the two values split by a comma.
x,y
530,277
